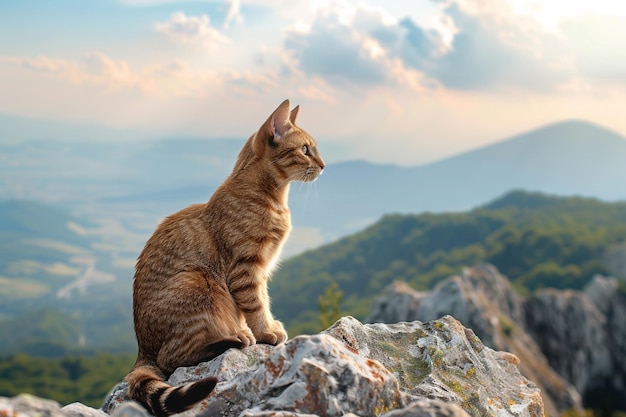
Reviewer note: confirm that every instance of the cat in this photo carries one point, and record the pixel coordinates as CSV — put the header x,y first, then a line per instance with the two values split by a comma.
x,y
200,283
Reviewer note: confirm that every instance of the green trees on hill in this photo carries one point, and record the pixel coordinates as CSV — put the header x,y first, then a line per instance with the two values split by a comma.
x,y
87,379
536,240
329,305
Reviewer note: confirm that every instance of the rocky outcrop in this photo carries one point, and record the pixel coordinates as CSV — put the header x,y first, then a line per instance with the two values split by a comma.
x,y
583,336
569,342
26,405
433,369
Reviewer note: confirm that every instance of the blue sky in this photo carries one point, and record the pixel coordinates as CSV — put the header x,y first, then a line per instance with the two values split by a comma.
x,y
405,81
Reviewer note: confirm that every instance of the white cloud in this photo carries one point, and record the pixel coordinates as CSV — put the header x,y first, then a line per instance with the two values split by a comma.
x,y
480,71
234,13
473,45
494,48
192,30
343,43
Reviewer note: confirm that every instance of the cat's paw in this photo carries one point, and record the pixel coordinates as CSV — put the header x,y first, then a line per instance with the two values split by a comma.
x,y
274,334
246,337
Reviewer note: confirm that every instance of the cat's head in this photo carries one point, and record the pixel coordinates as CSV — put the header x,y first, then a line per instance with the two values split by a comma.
x,y
290,151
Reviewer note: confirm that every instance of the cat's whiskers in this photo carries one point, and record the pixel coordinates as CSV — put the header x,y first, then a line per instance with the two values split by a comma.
x,y
306,197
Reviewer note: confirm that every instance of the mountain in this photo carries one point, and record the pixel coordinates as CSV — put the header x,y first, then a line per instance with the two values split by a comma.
x,y
536,240
146,180
75,172
112,194
567,158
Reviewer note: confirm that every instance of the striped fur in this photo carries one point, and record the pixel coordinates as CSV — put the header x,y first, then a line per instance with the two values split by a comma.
x,y
163,400
200,282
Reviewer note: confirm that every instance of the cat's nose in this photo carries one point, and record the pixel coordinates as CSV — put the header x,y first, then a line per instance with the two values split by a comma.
x,y
322,165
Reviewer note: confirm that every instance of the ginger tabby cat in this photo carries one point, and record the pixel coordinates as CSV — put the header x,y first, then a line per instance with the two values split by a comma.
x,y
200,283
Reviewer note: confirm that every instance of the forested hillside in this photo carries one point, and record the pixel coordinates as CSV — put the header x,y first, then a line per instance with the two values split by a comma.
x,y
536,240
86,379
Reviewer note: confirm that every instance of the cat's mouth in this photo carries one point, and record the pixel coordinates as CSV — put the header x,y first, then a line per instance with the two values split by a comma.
x,y
311,174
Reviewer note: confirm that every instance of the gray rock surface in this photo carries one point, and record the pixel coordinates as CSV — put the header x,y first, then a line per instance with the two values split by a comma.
x,y
26,405
569,342
434,369
583,336
366,370
443,360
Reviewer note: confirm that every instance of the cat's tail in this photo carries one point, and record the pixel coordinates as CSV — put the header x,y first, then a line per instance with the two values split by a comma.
x,y
146,385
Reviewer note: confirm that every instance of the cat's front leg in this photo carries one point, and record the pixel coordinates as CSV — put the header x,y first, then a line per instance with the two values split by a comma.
x,y
253,300
264,327
272,334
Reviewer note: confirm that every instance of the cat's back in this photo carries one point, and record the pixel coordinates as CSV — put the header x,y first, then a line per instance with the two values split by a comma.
x,y
180,226
175,243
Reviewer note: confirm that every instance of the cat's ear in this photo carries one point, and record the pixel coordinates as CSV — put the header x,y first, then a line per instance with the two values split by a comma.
x,y
280,120
294,114
277,125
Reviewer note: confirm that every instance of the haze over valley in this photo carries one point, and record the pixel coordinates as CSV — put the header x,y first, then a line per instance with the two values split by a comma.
x,y
76,214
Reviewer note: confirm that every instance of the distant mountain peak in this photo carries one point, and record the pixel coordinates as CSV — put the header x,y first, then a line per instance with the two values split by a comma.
x,y
569,130
573,136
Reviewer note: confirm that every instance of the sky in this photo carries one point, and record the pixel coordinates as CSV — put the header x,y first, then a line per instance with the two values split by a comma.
x,y
395,81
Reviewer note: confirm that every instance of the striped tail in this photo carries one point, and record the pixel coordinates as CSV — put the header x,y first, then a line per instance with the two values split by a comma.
x,y
146,385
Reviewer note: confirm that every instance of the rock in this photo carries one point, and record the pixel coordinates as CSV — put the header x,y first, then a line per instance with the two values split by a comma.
x,y
483,300
476,297
445,361
81,410
26,405
569,342
308,374
434,369
583,336
561,319
364,370
428,408
130,409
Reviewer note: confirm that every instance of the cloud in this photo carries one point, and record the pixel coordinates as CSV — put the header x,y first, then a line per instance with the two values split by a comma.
x,y
475,45
42,64
337,54
176,78
99,66
595,42
192,30
234,13
96,68
495,48
343,45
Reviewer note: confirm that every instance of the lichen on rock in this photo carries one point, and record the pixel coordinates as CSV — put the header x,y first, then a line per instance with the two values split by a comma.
x,y
433,369
444,360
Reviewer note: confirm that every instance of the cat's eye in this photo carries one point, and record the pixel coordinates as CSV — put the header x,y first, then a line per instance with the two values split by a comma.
x,y
305,150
